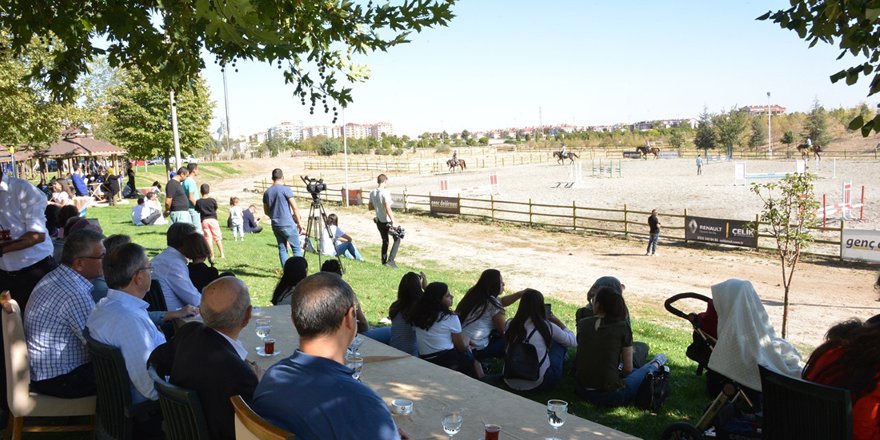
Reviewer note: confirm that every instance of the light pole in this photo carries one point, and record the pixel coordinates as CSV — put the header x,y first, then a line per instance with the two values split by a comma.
x,y
226,102
176,136
769,129
345,154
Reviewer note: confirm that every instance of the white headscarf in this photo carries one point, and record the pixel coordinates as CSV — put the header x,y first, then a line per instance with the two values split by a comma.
x,y
746,338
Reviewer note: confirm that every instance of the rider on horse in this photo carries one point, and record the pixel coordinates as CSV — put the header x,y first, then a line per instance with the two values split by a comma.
x,y
564,152
454,156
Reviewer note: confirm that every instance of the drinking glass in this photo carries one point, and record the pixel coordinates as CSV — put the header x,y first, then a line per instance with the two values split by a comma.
x,y
451,422
557,412
355,345
263,327
356,363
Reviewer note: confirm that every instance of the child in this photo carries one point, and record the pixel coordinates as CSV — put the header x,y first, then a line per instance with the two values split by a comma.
x,y
200,273
207,208
236,218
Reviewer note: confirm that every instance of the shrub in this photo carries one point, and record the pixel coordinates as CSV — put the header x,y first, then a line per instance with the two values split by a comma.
x,y
443,149
328,147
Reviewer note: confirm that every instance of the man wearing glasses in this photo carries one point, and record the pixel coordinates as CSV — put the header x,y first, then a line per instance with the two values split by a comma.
x,y
56,315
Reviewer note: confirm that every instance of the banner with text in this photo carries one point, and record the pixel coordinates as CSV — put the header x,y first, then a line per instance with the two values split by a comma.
x,y
860,244
445,205
714,230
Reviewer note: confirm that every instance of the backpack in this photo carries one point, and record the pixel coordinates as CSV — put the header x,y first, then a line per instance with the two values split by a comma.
x,y
521,359
655,389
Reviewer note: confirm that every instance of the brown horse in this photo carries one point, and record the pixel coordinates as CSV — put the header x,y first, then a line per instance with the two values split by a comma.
x,y
452,163
645,150
816,149
560,158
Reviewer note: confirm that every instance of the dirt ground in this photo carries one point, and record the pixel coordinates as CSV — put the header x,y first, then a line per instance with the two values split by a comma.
x,y
564,265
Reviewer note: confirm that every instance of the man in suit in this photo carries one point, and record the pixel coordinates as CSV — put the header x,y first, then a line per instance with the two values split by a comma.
x,y
209,359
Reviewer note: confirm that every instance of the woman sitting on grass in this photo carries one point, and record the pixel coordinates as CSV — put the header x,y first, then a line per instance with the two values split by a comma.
x,y
550,338
295,269
403,336
605,353
483,314
850,359
438,331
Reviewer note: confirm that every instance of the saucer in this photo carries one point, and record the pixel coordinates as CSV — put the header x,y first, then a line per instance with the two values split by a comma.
x,y
262,353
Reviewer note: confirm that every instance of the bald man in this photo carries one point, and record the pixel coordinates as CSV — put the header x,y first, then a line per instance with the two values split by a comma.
x,y
226,310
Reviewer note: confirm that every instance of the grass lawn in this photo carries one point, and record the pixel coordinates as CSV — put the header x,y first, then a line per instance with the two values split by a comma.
x,y
256,262
208,171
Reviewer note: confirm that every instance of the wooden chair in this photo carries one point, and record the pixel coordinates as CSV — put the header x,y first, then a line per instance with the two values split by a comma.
x,y
25,403
795,408
115,411
182,413
250,426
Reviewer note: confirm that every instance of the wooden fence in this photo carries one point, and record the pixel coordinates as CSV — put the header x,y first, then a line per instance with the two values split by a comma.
x,y
410,166
623,221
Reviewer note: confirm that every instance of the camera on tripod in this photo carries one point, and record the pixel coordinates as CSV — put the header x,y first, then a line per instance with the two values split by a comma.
x,y
314,186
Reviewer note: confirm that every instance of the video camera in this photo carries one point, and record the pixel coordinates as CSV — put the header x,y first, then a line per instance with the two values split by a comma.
x,y
396,232
314,186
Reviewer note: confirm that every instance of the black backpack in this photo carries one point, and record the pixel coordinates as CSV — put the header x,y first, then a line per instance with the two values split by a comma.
x,y
655,389
521,359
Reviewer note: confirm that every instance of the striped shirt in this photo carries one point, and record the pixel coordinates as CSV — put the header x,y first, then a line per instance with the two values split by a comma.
x,y
54,318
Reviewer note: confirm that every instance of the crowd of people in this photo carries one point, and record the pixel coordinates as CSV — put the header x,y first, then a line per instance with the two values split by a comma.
x,y
96,285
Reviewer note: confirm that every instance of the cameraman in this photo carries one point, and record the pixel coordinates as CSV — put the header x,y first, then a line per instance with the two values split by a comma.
x,y
381,200
280,206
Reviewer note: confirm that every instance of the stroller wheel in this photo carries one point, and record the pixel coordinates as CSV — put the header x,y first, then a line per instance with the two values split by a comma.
x,y
681,431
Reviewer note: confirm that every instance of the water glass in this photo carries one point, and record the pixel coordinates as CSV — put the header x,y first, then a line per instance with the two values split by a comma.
x,y
356,363
355,345
451,422
263,327
557,412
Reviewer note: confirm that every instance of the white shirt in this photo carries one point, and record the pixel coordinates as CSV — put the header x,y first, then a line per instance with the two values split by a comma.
x,y
562,337
121,320
23,209
328,244
236,344
380,197
478,330
169,268
137,215
439,336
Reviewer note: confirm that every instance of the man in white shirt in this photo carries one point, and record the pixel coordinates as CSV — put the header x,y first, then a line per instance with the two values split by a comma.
x,y
381,200
143,214
121,320
171,271
25,246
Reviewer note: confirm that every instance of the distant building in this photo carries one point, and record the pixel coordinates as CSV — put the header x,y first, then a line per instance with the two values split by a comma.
x,y
286,131
762,109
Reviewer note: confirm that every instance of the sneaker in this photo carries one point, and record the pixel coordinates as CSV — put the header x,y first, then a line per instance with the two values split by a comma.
x,y
391,264
660,360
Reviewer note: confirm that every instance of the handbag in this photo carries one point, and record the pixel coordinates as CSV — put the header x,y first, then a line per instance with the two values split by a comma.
x,y
521,360
654,390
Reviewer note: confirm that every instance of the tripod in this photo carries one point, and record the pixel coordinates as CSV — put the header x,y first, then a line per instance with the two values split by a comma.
x,y
317,221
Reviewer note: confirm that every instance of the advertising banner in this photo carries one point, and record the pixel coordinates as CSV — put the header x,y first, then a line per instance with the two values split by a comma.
x,y
860,244
714,230
445,205
355,196
632,155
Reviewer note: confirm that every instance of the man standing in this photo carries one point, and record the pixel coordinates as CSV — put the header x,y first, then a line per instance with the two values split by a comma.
x,y
121,320
176,202
192,194
381,200
226,310
56,315
329,403
654,224
170,269
280,206
25,245
699,165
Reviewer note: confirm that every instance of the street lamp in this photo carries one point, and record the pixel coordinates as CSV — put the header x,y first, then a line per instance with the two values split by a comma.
x,y
769,129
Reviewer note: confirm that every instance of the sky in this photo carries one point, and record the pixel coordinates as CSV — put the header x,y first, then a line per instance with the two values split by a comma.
x,y
518,63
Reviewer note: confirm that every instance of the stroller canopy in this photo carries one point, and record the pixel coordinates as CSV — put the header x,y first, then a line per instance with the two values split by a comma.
x,y
746,338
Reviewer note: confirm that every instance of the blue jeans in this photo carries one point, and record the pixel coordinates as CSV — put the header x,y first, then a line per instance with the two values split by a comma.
x,y
652,243
196,219
556,357
348,250
495,349
621,396
381,334
283,236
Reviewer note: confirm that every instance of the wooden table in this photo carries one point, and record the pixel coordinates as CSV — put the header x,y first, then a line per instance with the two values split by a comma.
x,y
395,374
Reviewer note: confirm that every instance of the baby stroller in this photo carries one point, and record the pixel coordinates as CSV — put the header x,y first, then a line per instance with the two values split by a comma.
x,y
733,413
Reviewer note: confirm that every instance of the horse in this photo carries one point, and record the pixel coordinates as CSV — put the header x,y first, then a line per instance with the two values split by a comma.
x,y
560,158
644,150
452,163
816,149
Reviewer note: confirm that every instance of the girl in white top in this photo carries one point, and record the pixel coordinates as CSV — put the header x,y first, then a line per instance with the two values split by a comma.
x,y
438,331
482,312
550,339
60,197
236,216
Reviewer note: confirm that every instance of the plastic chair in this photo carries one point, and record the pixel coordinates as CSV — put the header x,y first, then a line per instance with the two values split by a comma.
x,y
795,408
182,413
250,426
115,411
25,403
